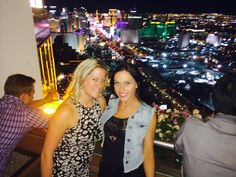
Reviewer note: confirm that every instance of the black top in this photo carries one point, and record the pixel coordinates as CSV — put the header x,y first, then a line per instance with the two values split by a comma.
x,y
111,164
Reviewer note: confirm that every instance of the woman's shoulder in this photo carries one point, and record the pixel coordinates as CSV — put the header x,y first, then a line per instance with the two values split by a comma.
x,y
66,108
146,107
67,104
65,114
145,111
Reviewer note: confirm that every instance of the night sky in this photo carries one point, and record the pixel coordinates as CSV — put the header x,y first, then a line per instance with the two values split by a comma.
x,y
159,6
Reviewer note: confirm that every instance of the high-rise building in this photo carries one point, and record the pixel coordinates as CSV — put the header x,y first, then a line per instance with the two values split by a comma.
x,y
158,29
129,36
80,40
106,20
64,21
213,39
82,18
134,20
97,17
113,16
183,40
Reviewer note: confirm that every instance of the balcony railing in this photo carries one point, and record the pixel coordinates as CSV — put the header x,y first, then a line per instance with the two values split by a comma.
x,y
164,144
167,161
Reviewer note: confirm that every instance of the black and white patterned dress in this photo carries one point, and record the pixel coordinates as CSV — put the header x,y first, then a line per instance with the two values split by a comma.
x,y
77,145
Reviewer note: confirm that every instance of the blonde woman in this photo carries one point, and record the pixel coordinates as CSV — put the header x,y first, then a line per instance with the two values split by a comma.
x,y
75,128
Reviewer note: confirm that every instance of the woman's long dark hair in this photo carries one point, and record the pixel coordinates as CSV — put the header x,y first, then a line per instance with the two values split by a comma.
x,y
133,71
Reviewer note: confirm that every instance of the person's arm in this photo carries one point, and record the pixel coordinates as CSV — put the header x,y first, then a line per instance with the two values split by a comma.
x,y
178,139
58,124
50,97
148,149
36,118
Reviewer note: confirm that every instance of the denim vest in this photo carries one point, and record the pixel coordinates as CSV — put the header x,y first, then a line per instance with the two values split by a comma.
x,y
135,132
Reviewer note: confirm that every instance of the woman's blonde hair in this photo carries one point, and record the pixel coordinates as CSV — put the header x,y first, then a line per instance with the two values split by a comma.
x,y
80,74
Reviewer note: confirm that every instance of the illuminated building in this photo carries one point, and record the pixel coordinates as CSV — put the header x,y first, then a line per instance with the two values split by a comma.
x,y
183,40
109,19
106,20
74,19
97,17
64,21
134,20
119,15
213,39
54,25
121,25
129,36
52,10
82,19
80,40
36,4
158,29
113,14
112,30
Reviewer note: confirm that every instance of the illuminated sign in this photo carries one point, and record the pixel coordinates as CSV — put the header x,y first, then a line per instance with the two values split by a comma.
x,y
36,3
166,23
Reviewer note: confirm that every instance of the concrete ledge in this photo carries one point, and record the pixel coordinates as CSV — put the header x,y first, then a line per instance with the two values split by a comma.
x,y
33,141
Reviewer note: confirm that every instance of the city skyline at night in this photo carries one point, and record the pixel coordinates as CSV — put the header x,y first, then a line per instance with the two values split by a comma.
x,y
176,6
179,48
